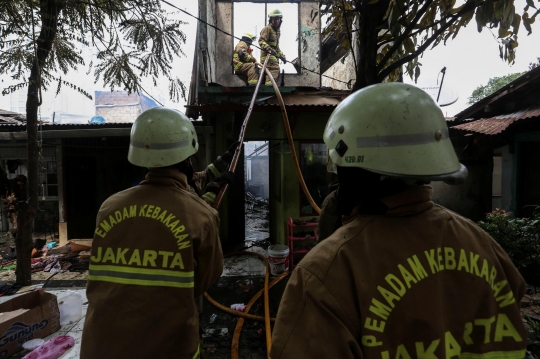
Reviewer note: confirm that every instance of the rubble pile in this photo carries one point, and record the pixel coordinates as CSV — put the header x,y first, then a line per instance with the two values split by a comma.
x,y
70,261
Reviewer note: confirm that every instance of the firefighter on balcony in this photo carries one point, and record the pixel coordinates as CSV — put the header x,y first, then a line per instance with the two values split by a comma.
x,y
403,277
244,61
269,43
155,249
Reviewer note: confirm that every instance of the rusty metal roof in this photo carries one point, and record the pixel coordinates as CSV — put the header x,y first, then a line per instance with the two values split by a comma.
x,y
497,124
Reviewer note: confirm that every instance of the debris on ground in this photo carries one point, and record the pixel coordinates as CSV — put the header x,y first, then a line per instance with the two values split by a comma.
x,y
67,262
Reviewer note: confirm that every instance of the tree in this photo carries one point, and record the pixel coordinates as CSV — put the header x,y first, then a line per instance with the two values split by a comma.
x,y
493,85
394,33
534,65
133,39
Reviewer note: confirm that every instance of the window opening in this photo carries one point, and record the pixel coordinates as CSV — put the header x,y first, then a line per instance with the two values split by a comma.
x,y
257,178
252,17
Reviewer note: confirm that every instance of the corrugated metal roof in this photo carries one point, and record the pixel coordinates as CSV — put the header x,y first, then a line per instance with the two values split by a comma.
x,y
64,126
497,124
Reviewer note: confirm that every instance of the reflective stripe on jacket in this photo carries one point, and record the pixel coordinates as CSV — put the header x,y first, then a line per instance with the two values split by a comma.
x,y
418,282
236,59
270,37
155,248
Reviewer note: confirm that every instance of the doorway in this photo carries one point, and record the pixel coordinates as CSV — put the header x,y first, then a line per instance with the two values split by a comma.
x,y
257,179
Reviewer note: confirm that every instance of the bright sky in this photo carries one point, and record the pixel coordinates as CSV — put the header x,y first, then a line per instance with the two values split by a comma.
x,y
471,58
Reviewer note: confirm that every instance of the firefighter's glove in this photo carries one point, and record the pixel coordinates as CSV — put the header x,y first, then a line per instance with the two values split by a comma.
x,y
226,177
284,60
227,156
213,187
269,50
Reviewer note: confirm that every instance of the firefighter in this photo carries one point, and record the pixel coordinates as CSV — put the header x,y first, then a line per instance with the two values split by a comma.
x,y
403,277
329,218
207,183
155,248
244,61
269,43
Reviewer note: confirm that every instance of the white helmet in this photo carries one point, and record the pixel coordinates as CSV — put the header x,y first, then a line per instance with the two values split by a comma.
x,y
161,137
393,129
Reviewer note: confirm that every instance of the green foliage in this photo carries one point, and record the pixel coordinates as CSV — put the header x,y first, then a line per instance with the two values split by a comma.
x,y
534,65
520,238
407,28
131,38
493,85
534,329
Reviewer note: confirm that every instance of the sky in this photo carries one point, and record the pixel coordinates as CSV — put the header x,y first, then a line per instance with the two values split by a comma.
x,y
470,59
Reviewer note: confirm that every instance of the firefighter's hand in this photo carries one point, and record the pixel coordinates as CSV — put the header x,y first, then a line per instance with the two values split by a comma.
x,y
226,177
232,148
269,50
213,187
228,155
283,59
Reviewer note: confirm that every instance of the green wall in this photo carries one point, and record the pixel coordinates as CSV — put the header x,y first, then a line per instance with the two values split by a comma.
x,y
284,186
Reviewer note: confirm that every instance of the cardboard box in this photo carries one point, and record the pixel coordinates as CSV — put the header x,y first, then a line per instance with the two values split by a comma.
x,y
29,316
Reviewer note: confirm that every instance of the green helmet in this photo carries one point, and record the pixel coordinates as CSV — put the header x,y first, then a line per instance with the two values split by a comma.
x,y
275,13
161,137
393,129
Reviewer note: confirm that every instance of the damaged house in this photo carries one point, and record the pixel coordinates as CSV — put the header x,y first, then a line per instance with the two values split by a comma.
x,y
220,99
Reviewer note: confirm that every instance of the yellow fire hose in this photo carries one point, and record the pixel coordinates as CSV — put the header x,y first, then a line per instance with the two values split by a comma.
x,y
236,156
291,142
217,202
266,301
236,337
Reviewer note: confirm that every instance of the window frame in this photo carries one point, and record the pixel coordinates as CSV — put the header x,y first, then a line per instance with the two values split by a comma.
x,y
298,66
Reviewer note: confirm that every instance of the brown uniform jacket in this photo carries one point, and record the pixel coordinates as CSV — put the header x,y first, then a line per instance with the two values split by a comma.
x,y
418,282
329,219
237,63
156,246
270,37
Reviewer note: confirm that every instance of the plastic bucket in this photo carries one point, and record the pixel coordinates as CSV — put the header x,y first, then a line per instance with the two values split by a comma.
x,y
278,258
70,308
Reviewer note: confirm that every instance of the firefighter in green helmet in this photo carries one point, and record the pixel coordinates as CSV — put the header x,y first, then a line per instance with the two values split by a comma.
x,y
269,43
403,277
244,61
156,249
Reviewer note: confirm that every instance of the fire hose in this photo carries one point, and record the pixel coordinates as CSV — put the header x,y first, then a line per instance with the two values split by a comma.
x,y
217,202
245,315
236,156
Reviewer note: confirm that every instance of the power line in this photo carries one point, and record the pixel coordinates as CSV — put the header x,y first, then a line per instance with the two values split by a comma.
x,y
231,35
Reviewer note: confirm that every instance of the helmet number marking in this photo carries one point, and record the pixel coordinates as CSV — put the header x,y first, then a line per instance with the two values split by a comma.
x,y
354,159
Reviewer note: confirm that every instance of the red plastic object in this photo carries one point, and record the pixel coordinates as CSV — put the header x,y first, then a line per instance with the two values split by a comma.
x,y
52,348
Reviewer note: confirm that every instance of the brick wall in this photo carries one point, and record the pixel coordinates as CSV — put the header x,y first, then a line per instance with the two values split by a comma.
x,y
117,106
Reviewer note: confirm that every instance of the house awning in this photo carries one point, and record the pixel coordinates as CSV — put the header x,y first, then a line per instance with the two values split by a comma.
x,y
497,124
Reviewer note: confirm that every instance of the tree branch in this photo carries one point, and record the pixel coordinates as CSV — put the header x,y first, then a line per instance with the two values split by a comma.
x,y
383,73
117,9
404,35
417,31
350,39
